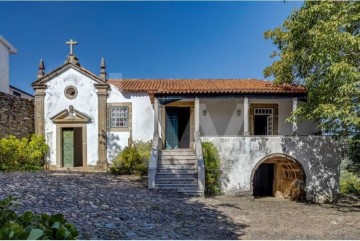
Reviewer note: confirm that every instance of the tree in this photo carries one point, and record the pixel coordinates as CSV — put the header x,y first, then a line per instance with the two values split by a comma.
x,y
319,46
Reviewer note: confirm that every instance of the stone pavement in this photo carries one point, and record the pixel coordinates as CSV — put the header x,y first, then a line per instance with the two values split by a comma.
x,y
104,206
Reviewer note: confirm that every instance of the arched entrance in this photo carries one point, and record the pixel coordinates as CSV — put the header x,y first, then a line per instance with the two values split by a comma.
x,y
280,176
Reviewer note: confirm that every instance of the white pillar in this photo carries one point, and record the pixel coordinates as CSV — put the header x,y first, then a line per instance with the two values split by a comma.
x,y
246,117
294,124
197,118
156,116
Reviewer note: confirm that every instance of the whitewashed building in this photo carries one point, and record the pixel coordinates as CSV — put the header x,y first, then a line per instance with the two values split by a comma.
x,y
7,49
88,119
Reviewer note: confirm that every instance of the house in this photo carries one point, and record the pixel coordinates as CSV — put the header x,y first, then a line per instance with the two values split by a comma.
x,y
88,119
6,49
20,93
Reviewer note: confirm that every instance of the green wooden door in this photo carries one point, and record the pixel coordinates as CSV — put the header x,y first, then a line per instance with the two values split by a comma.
x,y
171,128
68,147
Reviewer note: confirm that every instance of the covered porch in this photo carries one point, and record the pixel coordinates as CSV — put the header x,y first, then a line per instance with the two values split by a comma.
x,y
177,119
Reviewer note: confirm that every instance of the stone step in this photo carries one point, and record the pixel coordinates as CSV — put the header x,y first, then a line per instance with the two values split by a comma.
x,y
176,171
176,181
184,187
176,166
176,175
177,157
176,162
180,152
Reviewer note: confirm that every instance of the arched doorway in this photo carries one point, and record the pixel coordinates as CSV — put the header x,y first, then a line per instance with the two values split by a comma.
x,y
280,176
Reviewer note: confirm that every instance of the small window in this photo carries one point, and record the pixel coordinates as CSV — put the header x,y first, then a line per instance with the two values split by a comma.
x,y
15,93
119,116
70,92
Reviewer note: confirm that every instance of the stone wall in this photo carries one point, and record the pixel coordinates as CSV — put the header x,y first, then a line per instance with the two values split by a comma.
x,y
319,157
16,116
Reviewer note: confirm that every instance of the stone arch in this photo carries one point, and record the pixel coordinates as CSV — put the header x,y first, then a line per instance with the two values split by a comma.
x,y
288,176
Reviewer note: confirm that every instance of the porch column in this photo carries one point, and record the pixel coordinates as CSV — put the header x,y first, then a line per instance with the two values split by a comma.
x,y
294,124
156,116
197,118
246,116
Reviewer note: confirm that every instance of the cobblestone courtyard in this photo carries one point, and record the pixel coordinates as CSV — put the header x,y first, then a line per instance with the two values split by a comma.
x,y
104,206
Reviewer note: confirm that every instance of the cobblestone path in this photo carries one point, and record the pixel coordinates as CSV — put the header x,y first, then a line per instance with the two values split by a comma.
x,y
104,206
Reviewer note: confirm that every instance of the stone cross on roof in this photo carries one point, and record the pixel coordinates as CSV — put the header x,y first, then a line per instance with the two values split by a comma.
x,y
71,43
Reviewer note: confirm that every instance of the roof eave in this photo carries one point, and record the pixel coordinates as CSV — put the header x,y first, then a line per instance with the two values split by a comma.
x,y
11,48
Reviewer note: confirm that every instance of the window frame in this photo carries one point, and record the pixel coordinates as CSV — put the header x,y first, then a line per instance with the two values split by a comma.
x,y
275,116
128,105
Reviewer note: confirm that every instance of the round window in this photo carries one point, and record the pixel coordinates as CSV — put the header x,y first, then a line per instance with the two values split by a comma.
x,y
71,92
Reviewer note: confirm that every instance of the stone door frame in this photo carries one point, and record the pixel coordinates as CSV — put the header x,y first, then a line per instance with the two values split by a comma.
x,y
191,105
59,144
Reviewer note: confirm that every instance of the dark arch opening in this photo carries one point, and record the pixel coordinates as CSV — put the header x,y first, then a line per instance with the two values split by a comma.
x,y
279,176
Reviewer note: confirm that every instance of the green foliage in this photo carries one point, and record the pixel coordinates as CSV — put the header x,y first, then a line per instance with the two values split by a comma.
x,y
133,159
319,46
212,169
349,183
354,154
22,154
31,226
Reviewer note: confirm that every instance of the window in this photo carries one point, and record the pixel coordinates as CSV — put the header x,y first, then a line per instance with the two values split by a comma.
x,y
119,116
264,119
70,92
15,93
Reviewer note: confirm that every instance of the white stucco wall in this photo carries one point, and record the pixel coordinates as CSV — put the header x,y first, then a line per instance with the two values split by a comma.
x,y
319,156
142,120
85,102
222,118
4,68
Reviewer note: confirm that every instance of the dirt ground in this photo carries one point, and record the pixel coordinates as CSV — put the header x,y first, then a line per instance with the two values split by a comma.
x,y
273,218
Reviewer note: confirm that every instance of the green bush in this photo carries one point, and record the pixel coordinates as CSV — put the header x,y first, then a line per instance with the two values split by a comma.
x,y
32,226
212,169
349,183
22,154
133,159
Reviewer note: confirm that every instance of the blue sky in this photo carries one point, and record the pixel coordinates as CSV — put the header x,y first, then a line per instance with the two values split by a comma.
x,y
143,39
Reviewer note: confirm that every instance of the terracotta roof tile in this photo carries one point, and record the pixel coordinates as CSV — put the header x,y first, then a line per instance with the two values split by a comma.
x,y
205,86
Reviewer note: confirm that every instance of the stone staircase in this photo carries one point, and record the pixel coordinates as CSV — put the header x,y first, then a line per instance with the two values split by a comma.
x,y
177,171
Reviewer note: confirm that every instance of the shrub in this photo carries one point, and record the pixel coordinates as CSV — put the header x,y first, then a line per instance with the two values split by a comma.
x,y
212,169
133,159
349,183
22,154
32,226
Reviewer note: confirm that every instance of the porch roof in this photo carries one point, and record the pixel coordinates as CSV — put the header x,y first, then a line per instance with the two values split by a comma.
x,y
206,86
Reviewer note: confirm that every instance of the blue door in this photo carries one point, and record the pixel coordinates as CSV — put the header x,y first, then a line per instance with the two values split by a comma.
x,y
171,128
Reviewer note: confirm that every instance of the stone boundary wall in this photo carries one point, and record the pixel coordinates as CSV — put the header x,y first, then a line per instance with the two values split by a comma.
x,y
16,116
